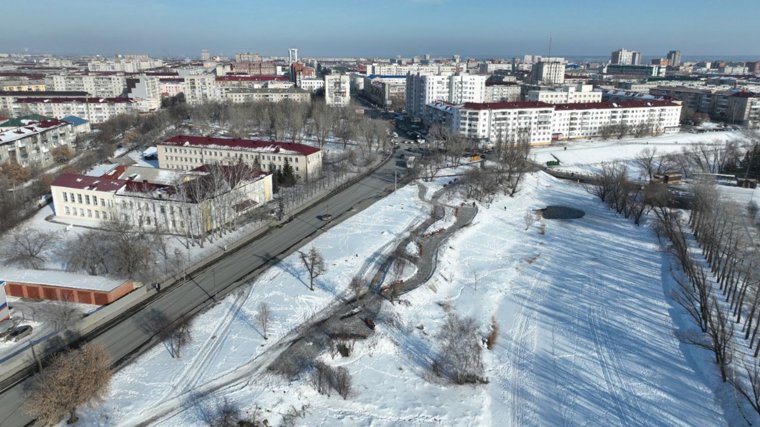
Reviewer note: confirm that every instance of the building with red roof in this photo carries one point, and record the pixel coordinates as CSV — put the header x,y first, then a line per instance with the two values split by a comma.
x,y
175,201
540,123
186,152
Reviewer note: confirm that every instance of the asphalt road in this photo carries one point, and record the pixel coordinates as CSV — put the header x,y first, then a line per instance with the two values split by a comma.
x,y
132,335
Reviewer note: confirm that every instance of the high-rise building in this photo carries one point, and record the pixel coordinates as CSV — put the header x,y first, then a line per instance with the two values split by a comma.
x,y
337,89
548,73
292,55
625,57
205,55
674,57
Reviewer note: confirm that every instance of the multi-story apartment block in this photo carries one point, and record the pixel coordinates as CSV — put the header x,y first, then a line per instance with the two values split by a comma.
x,y
566,95
424,89
188,203
401,70
548,73
105,85
8,99
146,92
311,84
588,120
729,105
337,89
744,108
539,123
200,88
125,64
189,152
94,110
636,70
266,95
386,91
171,86
502,92
32,143
625,57
22,86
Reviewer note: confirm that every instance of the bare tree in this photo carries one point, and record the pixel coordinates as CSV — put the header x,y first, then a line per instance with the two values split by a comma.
x,y
74,378
314,263
459,358
647,161
263,316
27,247
176,336
324,378
61,314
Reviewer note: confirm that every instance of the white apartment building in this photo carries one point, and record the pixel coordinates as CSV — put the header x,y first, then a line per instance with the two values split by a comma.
x,y
548,73
146,92
266,95
94,110
424,89
572,121
194,203
404,69
200,88
540,123
490,67
189,152
171,86
31,144
625,57
505,121
565,95
311,84
125,64
337,89
502,92
105,86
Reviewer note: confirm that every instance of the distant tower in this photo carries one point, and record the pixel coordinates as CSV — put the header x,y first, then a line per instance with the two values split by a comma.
x,y
292,55
205,55
674,57
457,58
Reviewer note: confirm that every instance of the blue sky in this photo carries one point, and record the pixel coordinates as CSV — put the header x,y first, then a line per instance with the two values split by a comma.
x,y
382,27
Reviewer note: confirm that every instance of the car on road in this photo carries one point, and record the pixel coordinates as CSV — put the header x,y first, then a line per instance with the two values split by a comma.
x,y
325,217
18,333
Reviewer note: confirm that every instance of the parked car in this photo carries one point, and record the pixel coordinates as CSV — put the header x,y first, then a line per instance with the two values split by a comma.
x,y
18,333
325,217
44,200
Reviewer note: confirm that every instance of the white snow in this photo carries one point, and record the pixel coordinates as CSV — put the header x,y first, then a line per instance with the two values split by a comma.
x,y
587,156
586,329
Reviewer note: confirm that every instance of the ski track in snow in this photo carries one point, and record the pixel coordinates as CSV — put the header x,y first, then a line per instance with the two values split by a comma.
x,y
522,346
192,374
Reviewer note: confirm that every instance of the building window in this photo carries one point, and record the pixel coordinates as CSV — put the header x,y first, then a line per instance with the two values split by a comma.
x,y
95,200
81,212
87,199
97,214
65,198
67,208
79,198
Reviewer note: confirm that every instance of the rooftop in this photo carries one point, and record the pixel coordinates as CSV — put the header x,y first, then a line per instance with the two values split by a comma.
x,y
77,100
31,128
616,104
85,182
256,145
505,105
259,78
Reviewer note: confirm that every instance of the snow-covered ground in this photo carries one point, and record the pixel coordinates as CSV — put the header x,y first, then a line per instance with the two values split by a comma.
x,y
587,156
227,336
586,329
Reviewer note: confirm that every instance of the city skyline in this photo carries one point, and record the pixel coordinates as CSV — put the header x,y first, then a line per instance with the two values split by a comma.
x,y
401,27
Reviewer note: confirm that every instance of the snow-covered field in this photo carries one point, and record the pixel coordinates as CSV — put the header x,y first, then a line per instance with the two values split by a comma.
x,y
227,337
586,331
587,156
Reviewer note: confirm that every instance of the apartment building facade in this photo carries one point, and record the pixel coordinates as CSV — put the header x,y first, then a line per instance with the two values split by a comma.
x,y
32,143
266,95
100,85
565,95
541,123
337,89
94,110
425,89
189,152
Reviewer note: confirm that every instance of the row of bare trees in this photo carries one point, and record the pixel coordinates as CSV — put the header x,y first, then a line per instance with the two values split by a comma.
x,y
722,232
613,187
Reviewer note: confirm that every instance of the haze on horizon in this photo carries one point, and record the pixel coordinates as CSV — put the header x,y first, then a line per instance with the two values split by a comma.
x,y
387,28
